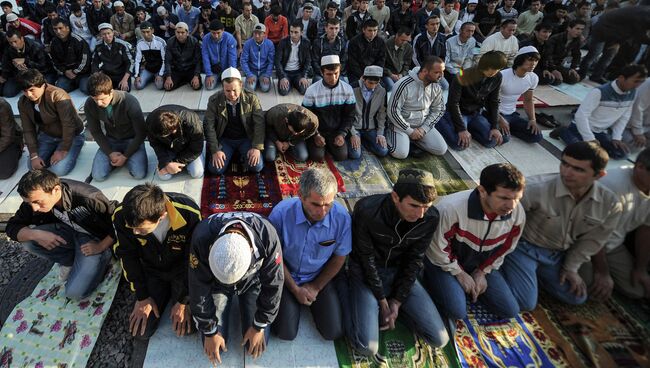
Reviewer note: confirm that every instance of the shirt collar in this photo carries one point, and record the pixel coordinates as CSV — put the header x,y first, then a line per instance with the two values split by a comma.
x,y
617,89
301,218
176,220
561,191
364,88
475,210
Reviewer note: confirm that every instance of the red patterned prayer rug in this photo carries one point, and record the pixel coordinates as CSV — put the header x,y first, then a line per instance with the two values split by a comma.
x,y
289,171
483,340
603,334
238,190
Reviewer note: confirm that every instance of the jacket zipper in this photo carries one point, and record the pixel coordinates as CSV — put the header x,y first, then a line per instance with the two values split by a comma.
x,y
480,247
400,240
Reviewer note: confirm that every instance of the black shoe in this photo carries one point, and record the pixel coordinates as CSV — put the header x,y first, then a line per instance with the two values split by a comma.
x,y
599,80
416,152
555,133
546,120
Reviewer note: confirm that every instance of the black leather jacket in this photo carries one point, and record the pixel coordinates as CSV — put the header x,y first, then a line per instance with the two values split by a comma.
x,y
84,204
378,245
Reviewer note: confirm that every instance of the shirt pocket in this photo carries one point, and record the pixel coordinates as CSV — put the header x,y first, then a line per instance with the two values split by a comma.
x,y
323,249
590,222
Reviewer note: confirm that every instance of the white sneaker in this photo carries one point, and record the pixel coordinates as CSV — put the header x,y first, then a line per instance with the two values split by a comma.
x,y
64,272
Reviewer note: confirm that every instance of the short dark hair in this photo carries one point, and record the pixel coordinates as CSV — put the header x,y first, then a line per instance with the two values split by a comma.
x,y
30,78
508,22
369,23
492,60
330,67
145,202
166,123
430,60
420,193
42,179
298,120
50,9
588,151
583,4
643,159
6,4
333,21
75,7
403,30
432,16
467,24
307,7
543,26
503,175
99,84
276,9
521,59
297,24
535,1
630,70
574,22
60,20
13,32
332,5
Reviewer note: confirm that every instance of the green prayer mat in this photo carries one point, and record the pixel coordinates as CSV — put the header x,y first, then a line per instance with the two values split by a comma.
x,y
363,177
398,348
49,330
447,180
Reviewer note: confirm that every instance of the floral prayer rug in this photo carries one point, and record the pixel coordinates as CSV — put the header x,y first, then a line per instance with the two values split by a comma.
x,y
398,348
49,330
363,177
603,334
639,310
483,340
239,190
289,171
447,181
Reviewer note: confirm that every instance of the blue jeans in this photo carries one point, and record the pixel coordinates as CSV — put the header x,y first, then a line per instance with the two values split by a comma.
x,y
449,296
530,263
571,135
368,139
145,78
228,147
519,128
294,78
48,144
418,312
194,168
87,271
247,307
264,87
298,152
137,163
477,125
69,85
388,83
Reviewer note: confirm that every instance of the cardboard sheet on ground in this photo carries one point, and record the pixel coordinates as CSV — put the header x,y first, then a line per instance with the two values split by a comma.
x,y
577,91
9,185
475,158
184,96
149,98
167,350
49,330
529,158
309,349
559,144
553,97
119,182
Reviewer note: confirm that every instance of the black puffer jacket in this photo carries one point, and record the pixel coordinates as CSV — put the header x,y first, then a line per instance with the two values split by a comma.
x,y
183,58
377,244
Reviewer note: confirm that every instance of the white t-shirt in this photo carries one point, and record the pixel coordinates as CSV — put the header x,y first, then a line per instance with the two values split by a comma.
x,y
512,87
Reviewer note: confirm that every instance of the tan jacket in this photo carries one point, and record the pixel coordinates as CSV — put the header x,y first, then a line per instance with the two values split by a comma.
x,y
126,27
60,118
555,221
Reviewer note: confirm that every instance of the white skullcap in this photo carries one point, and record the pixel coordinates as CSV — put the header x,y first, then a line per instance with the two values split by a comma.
x,y
330,59
231,73
527,50
230,258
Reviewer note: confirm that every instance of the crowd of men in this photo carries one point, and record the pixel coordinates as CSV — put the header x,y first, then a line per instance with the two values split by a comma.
x,y
575,234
